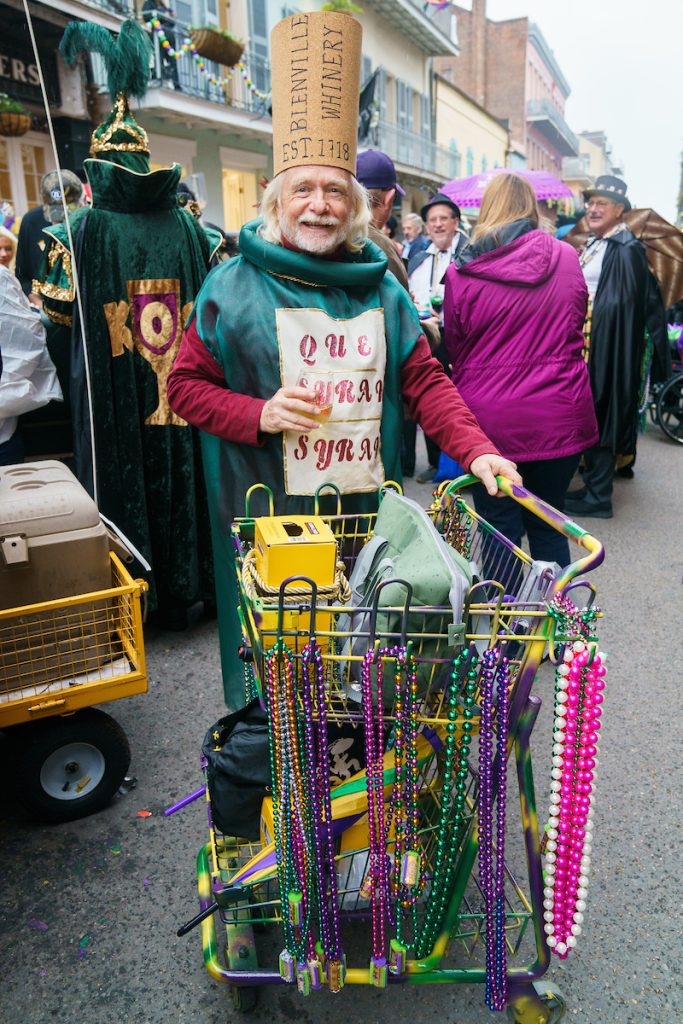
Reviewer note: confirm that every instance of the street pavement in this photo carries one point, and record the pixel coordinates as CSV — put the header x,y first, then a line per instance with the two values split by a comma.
x,y
89,910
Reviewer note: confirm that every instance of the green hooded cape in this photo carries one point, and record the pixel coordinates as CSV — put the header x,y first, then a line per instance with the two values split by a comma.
x,y
141,260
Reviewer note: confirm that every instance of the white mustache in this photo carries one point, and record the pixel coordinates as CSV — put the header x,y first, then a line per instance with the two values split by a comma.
x,y
320,222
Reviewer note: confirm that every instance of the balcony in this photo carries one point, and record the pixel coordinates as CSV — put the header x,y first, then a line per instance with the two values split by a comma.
x,y
548,120
109,13
179,90
577,169
415,153
409,18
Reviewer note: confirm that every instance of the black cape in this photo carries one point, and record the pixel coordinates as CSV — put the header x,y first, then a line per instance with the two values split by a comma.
x,y
620,310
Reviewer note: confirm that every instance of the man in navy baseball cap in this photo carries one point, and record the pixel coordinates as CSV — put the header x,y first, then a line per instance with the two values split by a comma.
x,y
376,170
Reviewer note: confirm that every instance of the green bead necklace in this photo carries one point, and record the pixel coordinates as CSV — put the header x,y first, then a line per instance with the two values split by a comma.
x,y
453,794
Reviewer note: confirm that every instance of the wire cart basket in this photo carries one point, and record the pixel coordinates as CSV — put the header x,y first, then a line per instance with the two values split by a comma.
x,y
57,659
424,863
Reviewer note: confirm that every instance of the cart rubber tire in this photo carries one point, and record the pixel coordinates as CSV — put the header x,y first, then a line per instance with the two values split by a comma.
x,y
84,756
543,1004
670,409
244,997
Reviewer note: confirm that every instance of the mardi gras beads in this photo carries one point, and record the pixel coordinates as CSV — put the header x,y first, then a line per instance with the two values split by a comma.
x,y
578,699
492,783
290,816
314,708
408,878
187,49
377,856
452,797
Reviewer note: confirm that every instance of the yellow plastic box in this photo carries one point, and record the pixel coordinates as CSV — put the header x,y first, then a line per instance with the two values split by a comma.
x,y
294,546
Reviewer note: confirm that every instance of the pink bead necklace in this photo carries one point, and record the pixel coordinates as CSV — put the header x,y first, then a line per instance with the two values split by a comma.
x,y
579,682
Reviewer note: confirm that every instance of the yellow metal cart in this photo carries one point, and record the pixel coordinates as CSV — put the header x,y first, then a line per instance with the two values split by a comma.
x,y
57,659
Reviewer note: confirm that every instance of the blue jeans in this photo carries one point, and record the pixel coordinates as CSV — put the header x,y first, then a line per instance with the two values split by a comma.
x,y
548,479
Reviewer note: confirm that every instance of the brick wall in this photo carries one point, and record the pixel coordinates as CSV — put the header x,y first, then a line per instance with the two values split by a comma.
x,y
506,46
491,67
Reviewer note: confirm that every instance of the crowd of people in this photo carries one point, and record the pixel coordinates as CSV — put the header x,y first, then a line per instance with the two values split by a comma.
x,y
516,355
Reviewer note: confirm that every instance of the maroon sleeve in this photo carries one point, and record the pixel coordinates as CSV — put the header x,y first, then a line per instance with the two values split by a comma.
x,y
435,403
197,391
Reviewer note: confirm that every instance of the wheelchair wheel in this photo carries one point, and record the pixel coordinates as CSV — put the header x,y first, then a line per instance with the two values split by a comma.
x,y
670,409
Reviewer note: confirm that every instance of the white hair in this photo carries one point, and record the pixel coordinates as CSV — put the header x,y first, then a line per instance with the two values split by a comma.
x,y
357,234
416,219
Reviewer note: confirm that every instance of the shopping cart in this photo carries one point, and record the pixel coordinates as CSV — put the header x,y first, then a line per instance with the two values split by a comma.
x,y
58,658
422,842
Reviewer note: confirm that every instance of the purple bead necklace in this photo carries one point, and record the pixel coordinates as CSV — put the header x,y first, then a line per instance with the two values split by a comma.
x,y
291,814
314,711
408,879
492,782
377,880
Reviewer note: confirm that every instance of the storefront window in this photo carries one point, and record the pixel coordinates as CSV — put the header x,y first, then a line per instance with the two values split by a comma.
x,y
33,164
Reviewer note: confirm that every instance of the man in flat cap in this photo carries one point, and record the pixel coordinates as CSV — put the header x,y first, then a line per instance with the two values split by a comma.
x,y
426,273
309,294
616,271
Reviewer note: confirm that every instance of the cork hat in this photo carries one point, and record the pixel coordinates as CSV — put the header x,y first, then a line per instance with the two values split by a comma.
x,y
315,86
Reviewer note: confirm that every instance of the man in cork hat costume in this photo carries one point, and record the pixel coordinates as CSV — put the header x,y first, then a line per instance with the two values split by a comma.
x,y
141,260
309,294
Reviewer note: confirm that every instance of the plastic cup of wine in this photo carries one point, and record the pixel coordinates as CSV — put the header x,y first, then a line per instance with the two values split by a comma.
x,y
322,385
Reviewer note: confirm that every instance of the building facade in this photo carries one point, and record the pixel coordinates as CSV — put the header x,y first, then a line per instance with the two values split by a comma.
x,y
24,159
508,68
215,121
480,140
595,158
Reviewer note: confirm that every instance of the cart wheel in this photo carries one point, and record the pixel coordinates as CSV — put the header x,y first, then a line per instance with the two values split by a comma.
x,y
244,997
670,409
67,768
541,1004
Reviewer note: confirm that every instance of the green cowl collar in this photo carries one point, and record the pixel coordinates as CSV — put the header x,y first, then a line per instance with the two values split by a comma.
x,y
366,268
125,191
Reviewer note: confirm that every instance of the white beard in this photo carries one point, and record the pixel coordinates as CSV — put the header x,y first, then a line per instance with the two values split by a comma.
x,y
296,232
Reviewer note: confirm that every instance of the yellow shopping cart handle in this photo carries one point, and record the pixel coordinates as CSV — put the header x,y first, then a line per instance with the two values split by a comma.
x,y
552,516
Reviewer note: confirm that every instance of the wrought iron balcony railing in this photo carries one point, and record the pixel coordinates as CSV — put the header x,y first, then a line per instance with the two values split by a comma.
x,y
185,76
550,121
417,151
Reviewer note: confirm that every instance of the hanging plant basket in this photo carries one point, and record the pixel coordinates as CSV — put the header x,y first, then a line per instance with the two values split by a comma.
x,y
12,123
217,46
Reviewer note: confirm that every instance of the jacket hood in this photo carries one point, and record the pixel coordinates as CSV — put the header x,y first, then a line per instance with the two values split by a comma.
x,y
527,261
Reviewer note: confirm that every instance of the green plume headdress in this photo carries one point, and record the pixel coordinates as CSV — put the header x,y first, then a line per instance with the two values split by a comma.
x,y
126,57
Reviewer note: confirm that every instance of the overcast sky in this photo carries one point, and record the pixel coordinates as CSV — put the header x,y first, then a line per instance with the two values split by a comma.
x,y
624,62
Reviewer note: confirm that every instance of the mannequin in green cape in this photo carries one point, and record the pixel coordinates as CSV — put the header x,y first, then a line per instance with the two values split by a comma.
x,y
141,260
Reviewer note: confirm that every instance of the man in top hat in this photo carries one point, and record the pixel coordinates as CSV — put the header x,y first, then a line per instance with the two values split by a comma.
x,y
426,274
616,271
308,298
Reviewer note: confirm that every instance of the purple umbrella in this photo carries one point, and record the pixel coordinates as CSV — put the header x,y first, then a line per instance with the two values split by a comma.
x,y
467,192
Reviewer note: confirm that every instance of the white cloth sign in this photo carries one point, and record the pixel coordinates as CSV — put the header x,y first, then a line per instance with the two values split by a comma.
x,y
345,451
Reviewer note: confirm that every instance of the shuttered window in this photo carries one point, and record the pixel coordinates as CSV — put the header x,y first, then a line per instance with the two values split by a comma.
x,y
258,43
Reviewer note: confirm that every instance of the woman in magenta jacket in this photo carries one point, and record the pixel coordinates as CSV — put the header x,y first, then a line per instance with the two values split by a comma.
x,y
513,315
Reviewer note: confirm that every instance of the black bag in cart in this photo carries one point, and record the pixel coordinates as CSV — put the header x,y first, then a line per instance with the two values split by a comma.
x,y
236,749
